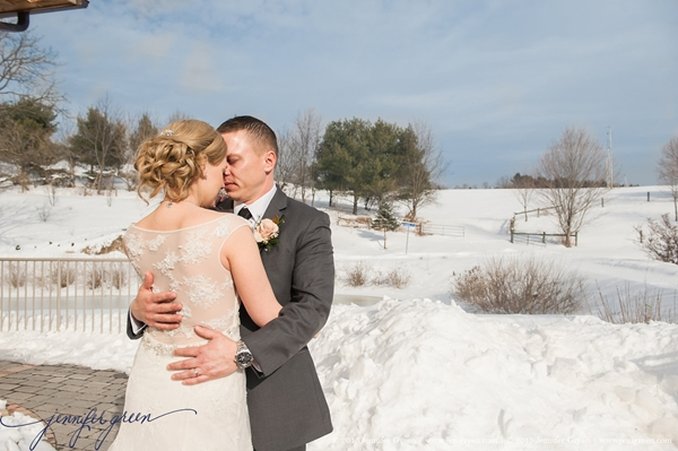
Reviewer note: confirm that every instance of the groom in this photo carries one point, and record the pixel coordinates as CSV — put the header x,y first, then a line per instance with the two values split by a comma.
x,y
285,400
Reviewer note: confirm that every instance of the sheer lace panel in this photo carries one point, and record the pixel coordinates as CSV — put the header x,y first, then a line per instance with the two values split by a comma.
x,y
187,262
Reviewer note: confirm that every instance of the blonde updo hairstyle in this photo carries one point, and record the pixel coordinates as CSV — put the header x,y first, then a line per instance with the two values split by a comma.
x,y
175,158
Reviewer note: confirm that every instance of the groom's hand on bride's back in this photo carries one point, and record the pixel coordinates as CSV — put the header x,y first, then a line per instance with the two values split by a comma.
x,y
156,310
213,360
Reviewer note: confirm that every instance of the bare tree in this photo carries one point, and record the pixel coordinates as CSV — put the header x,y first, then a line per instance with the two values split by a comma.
x,y
668,171
26,68
423,164
177,116
304,143
574,170
284,168
524,188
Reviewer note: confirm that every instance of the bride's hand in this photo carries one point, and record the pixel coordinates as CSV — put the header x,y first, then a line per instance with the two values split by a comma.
x,y
212,360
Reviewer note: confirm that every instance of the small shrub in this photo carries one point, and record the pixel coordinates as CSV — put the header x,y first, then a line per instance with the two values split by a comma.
x,y
116,277
63,277
636,307
17,276
393,278
95,279
356,276
520,286
661,241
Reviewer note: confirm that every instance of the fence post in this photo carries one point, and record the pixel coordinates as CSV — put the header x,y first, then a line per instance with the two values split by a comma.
x,y
648,196
576,239
543,237
511,235
58,297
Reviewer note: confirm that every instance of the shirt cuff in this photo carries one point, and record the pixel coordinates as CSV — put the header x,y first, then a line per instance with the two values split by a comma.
x,y
137,326
255,366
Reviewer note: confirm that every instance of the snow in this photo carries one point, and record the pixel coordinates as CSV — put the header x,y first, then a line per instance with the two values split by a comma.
x,y
18,432
410,368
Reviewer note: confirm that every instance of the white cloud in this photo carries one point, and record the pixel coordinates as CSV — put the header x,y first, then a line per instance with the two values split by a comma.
x,y
490,77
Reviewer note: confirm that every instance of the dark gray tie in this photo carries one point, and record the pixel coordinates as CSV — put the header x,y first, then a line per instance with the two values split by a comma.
x,y
245,213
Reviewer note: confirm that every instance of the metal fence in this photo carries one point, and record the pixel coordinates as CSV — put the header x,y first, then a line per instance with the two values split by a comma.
x,y
66,294
540,237
441,229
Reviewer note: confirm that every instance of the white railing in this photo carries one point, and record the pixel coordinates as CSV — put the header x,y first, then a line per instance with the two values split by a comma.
x,y
66,294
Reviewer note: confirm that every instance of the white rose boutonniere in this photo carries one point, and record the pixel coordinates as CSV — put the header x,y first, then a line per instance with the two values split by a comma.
x,y
266,232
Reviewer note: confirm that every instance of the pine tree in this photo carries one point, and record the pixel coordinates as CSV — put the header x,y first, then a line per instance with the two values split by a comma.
x,y
385,220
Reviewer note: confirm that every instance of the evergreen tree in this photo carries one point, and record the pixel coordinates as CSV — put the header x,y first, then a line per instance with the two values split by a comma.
x,y
144,130
385,220
25,130
100,142
342,155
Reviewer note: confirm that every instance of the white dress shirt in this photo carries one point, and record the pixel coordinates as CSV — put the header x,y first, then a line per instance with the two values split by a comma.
x,y
258,207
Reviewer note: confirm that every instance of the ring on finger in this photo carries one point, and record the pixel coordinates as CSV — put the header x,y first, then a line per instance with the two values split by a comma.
x,y
196,372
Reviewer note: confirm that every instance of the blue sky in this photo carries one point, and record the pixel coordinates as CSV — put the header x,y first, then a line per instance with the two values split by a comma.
x,y
496,82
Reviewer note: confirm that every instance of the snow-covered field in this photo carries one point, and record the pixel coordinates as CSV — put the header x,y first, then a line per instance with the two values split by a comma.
x,y
414,370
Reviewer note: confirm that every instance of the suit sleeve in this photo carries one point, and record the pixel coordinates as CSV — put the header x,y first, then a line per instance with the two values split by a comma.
x,y
312,291
134,331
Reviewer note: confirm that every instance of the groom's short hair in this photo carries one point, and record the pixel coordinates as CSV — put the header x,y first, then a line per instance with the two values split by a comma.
x,y
256,128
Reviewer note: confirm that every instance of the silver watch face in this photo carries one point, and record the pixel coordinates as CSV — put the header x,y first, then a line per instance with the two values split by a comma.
x,y
244,359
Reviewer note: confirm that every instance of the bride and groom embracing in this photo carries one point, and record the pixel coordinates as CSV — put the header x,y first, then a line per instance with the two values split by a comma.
x,y
213,375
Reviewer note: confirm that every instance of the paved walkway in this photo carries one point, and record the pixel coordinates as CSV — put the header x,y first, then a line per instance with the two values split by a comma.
x,y
43,391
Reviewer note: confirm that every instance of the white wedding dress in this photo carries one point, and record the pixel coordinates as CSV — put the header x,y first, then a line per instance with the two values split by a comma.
x,y
163,414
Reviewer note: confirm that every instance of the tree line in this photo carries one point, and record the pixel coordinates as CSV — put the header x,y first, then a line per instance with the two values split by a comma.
x,y
375,163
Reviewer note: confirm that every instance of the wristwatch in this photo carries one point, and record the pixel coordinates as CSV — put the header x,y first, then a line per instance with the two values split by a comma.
x,y
243,356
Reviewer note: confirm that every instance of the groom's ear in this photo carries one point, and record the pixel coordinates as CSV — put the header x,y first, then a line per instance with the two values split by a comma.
x,y
270,159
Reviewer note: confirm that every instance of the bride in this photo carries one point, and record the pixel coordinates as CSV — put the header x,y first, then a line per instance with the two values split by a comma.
x,y
210,260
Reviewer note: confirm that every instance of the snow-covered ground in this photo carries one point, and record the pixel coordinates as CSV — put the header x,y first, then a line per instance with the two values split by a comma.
x,y
414,370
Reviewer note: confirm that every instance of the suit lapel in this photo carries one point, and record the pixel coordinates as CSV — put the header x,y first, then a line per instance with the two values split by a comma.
x,y
277,205
275,208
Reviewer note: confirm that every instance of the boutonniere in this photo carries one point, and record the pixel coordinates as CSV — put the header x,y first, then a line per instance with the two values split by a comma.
x,y
266,232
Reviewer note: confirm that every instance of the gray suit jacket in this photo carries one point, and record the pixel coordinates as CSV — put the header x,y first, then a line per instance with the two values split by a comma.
x,y
286,404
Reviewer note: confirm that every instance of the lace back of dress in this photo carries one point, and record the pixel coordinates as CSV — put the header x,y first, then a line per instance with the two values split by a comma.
x,y
187,261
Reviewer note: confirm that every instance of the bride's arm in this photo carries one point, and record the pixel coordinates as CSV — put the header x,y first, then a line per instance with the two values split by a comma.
x,y
240,255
